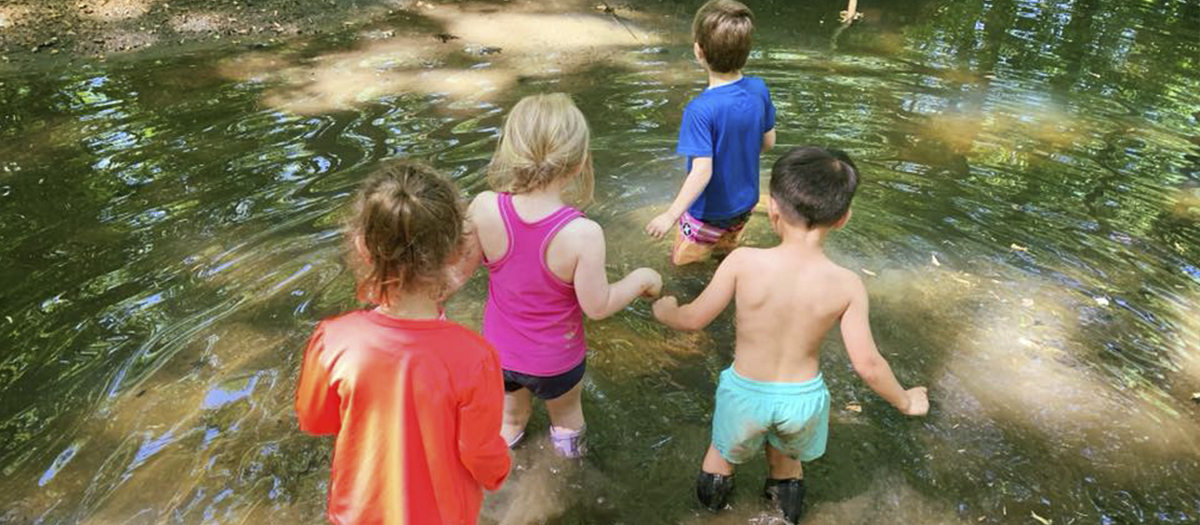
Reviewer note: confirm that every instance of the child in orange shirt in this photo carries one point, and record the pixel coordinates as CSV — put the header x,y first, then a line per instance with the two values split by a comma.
x,y
415,402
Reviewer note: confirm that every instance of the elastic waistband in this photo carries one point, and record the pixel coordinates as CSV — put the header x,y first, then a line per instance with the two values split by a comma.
x,y
813,385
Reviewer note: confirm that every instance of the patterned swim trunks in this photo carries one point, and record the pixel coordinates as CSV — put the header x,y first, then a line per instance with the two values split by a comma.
x,y
697,239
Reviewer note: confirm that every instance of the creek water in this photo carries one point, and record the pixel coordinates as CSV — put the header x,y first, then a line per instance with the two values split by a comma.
x,y
1027,228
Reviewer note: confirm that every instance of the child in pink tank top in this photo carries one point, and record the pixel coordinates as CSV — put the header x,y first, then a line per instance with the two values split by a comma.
x,y
546,266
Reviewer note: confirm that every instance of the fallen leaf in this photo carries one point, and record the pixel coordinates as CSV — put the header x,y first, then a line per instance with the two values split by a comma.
x,y
1102,301
854,407
868,272
10,321
1018,247
1040,519
1180,248
933,259
1195,395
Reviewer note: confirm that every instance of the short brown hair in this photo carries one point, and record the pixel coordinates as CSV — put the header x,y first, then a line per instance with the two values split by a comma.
x,y
722,28
406,224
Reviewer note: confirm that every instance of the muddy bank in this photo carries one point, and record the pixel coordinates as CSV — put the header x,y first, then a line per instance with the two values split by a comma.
x,y
37,31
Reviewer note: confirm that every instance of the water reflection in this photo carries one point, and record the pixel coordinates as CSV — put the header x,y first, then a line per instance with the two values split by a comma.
x,y
170,235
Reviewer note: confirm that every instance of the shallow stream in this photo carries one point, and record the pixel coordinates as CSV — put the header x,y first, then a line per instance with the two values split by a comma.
x,y
1028,230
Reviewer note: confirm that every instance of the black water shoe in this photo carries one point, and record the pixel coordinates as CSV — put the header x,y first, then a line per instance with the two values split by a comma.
x,y
713,490
789,493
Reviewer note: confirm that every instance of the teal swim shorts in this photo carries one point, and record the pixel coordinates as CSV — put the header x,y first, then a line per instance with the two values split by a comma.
x,y
792,417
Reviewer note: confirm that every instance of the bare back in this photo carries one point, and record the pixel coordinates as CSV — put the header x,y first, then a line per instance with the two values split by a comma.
x,y
561,257
785,306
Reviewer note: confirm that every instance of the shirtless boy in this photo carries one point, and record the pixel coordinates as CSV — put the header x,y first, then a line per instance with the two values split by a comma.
x,y
787,298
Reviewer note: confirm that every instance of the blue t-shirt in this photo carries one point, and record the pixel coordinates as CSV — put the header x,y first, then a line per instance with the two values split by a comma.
x,y
727,123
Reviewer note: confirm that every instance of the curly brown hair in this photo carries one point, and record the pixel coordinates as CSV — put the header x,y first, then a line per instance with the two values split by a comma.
x,y
723,29
406,225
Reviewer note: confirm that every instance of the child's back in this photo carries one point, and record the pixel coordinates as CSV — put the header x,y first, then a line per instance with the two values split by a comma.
x,y
546,266
788,297
395,392
415,401
724,131
786,303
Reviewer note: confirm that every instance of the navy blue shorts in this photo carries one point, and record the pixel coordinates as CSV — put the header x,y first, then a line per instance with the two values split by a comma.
x,y
545,387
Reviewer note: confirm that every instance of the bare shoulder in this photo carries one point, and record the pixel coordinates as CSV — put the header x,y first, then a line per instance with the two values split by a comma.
x,y
741,257
485,200
582,229
848,282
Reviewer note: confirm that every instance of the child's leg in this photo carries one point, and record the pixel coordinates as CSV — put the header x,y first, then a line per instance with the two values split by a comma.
x,y
687,251
715,482
694,241
785,485
518,406
732,233
783,467
715,464
730,241
566,422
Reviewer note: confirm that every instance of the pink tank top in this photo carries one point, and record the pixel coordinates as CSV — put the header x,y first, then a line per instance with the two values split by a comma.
x,y
532,317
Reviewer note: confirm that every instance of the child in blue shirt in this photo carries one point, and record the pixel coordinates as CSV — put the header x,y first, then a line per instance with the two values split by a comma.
x,y
725,129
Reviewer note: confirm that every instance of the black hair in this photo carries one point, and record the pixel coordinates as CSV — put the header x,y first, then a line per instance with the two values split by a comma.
x,y
814,185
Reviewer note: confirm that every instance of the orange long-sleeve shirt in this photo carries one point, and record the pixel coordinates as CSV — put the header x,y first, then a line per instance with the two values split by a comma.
x,y
416,406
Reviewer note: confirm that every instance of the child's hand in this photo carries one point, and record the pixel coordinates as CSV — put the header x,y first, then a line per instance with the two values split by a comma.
x,y
651,282
661,225
665,306
918,401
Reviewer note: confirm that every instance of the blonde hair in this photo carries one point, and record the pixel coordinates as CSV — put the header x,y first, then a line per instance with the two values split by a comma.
x,y
545,139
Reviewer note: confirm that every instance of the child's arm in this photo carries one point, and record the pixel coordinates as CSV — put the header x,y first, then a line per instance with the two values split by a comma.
x,y
850,14
598,298
870,365
693,186
318,407
480,414
768,140
470,254
710,304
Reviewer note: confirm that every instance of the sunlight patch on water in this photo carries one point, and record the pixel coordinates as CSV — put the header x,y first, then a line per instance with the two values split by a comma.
x,y
888,500
1019,353
536,491
12,15
503,49
114,10
1186,203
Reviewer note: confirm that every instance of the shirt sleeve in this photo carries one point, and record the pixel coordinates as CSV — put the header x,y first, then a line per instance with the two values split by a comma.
x,y
480,413
318,405
769,120
695,134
